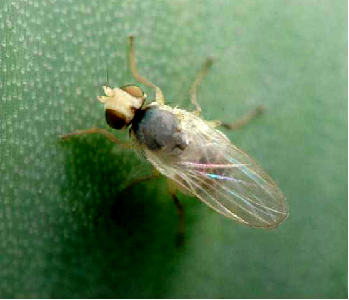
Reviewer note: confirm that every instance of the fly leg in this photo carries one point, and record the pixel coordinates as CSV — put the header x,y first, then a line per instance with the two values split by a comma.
x,y
199,77
155,175
181,214
159,96
104,132
244,120
233,126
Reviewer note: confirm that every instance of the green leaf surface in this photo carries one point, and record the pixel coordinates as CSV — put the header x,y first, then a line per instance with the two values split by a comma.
x,y
66,227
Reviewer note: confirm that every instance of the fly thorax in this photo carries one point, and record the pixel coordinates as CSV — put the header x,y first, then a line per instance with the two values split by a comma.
x,y
159,130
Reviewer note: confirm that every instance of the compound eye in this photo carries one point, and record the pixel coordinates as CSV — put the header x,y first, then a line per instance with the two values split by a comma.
x,y
134,91
115,119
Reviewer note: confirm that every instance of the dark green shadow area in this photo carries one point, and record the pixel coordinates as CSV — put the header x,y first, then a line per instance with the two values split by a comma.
x,y
117,236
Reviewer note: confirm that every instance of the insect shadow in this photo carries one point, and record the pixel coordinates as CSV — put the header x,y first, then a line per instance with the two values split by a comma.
x,y
94,187
113,236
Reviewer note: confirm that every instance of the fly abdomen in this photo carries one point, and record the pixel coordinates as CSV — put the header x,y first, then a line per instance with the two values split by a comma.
x,y
158,129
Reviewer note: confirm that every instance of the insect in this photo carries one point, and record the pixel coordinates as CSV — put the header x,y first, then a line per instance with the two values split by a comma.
x,y
196,158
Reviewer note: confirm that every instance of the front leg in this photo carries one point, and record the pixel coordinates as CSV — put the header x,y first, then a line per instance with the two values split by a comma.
x,y
101,131
159,96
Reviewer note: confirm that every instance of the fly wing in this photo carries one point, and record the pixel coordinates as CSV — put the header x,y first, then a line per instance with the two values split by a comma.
x,y
212,169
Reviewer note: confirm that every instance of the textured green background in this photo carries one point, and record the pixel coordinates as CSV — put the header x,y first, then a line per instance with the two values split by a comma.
x,y
65,228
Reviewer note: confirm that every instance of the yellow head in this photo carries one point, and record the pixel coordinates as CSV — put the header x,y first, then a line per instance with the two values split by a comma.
x,y
121,104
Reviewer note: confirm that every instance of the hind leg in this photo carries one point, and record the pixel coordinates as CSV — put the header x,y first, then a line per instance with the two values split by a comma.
x,y
136,181
180,235
244,120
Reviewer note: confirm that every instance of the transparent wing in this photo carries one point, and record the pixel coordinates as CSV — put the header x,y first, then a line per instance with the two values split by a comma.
x,y
212,169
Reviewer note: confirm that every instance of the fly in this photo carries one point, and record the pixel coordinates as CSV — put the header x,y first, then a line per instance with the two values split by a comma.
x,y
197,158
